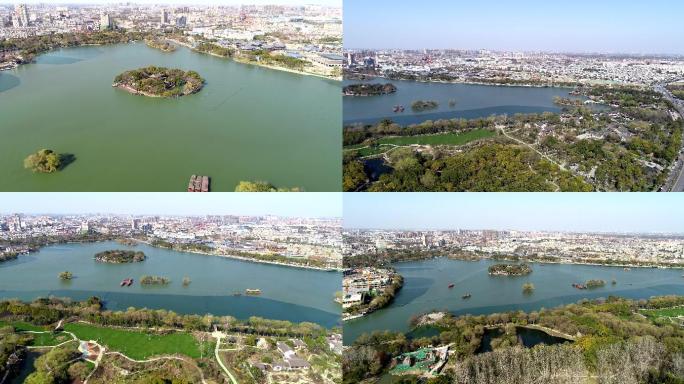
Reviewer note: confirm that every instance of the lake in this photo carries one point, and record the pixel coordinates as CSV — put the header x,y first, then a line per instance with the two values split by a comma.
x,y
426,289
293,294
472,101
248,123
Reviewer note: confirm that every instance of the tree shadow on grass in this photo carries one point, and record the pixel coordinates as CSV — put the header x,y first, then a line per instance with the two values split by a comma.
x,y
65,159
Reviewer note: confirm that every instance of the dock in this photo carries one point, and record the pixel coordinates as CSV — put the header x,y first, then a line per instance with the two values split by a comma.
x,y
199,183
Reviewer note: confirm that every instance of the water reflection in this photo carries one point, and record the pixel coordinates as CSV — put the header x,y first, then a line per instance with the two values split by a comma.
x,y
8,81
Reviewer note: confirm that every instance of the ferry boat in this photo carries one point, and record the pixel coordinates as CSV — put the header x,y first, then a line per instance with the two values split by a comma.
x,y
253,291
466,296
451,285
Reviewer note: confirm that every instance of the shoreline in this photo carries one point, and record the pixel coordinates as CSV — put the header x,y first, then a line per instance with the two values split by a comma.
x,y
677,266
248,259
525,85
247,62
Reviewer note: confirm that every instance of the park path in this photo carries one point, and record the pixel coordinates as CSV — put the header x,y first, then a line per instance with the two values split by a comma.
x,y
219,336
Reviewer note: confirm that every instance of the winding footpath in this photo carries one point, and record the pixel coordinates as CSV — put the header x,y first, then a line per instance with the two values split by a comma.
x,y
219,336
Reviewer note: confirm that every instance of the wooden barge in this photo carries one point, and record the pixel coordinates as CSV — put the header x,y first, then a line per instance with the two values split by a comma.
x,y
198,184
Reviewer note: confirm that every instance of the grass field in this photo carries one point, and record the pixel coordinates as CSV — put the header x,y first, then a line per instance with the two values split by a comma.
x,y
443,139
47,339
138,345
665,312
385,144
22,326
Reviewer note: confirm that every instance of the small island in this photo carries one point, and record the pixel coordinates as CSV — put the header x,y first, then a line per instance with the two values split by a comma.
x,y
46,161
120,257
528,288
161,45
159,82
509,269
154,280
424,105
595,283
369,89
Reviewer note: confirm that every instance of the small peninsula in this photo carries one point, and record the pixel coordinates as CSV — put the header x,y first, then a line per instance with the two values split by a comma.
x,y
159,82
509,269
159,44
119,257
369,89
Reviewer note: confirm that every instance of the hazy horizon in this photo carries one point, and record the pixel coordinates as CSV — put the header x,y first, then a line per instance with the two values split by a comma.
x,y
611,26
302,204
333,3
637,213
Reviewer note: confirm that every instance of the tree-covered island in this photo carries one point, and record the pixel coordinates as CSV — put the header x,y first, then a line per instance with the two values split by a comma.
x,y
369,89
47,161
424,105
154,280
159,82
509,269
120,256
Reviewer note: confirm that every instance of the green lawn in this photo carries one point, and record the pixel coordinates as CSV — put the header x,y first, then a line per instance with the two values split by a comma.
x,y
138,345
664,312
23,326
441,139
47,339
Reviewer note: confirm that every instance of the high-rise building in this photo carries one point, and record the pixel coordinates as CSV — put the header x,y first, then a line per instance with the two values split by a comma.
x,y
21,16
181,21
105,22
164,17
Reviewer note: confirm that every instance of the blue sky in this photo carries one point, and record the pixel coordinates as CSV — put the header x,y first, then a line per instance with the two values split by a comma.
x,y
626,26
282,204
336,3
602,212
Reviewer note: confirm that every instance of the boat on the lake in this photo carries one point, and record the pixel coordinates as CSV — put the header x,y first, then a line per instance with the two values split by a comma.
x,y
198,184
126,282
398,109
249,291
451,285
466,296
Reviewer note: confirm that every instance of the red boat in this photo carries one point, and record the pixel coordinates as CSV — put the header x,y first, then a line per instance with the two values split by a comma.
x,y
126,282
451,285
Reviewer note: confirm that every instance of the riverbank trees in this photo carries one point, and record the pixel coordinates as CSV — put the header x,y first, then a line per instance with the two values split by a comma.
x,y
612,342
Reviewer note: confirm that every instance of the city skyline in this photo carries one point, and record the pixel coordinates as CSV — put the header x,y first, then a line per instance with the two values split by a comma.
x,y
568,212
531,25
305,205
331,3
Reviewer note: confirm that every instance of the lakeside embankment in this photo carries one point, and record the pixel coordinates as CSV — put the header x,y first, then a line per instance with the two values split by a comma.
x,y
470,82
248,62
249,259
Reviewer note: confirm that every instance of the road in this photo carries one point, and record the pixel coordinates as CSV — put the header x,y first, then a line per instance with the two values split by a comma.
x,y
675,182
